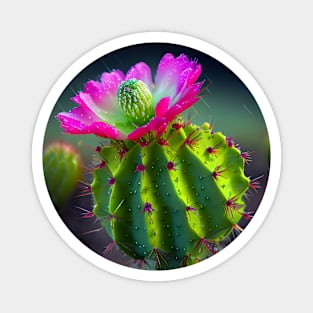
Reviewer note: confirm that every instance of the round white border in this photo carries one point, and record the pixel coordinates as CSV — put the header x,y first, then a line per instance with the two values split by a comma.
x,y
82,63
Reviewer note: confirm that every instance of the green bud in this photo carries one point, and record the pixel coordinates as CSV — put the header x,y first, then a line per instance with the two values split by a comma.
x,y
135,101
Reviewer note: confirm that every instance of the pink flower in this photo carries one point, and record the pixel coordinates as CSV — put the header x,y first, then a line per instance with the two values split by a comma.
x,y
130,106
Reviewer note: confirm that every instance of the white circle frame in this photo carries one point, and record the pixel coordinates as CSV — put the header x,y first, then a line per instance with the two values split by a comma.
x,y
75,69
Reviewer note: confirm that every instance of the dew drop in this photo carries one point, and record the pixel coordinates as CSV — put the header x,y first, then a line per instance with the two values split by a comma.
x,y
202,188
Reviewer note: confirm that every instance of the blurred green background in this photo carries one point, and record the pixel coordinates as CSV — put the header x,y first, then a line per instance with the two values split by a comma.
x,y
226,103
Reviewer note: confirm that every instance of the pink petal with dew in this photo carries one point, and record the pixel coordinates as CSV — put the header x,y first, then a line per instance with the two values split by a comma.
x,y
188,76
100,96
86,101
189,98
105,130
110,81
190,92
138,132
178,108
95,90
169,69
156,124
81,115
140,71
74,126
162,106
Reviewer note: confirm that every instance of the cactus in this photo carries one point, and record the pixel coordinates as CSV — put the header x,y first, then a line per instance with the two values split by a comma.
x,y
62,170
167,191
172,199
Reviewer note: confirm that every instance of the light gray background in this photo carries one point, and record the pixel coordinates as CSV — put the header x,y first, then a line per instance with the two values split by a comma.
x,y
39,40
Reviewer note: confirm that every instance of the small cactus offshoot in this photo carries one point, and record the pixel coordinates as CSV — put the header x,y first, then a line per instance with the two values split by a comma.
x,y
62,169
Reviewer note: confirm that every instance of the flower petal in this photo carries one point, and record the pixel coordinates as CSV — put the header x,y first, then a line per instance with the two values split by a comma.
x,y
140,71
77,120
162,106
156,124
105,130
84,121
188,76
174,76
138,132
188,99
110,81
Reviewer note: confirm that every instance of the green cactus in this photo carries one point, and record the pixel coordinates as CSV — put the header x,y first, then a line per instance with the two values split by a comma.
x,y
62,169
169,201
